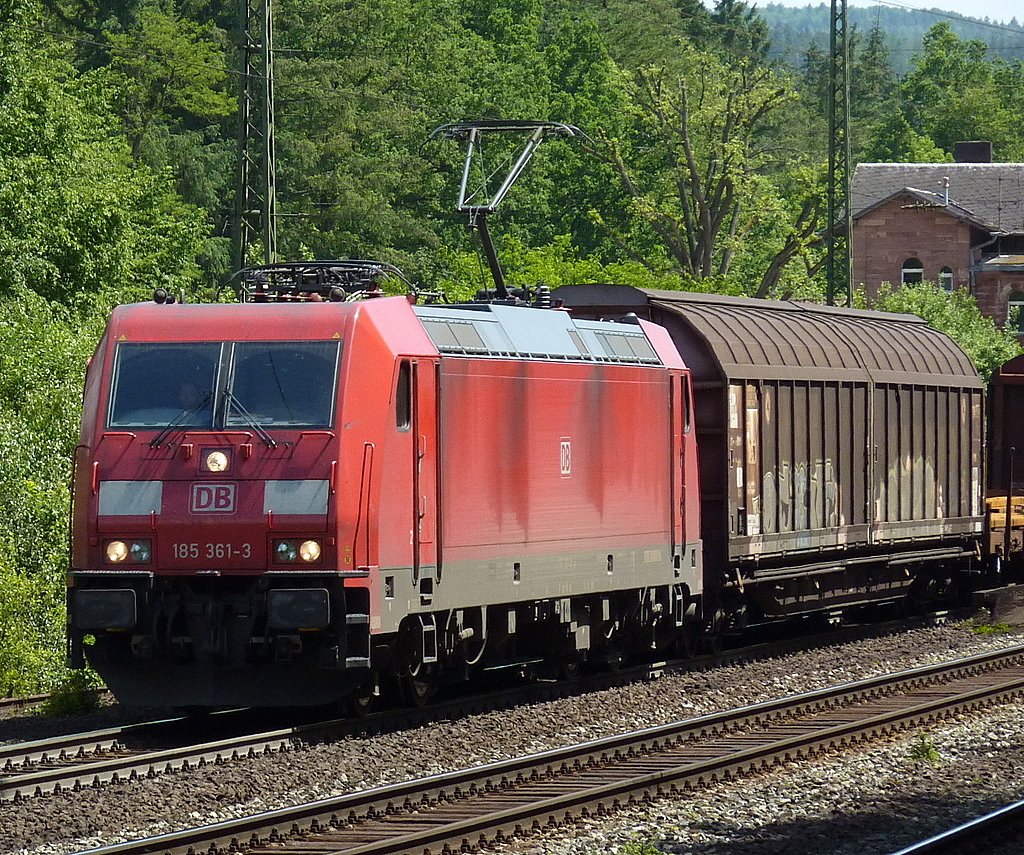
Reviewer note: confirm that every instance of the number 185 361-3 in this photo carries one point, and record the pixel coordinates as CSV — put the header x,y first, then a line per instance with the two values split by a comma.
x,y
212,550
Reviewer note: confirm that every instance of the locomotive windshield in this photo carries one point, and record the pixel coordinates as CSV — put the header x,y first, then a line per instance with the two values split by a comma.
x,y
213,385
283,383
155,384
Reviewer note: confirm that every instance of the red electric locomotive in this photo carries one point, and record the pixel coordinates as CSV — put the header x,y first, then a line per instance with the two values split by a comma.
x,y
305,499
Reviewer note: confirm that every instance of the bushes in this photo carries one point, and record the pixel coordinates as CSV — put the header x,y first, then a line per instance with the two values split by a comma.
x,y
43,352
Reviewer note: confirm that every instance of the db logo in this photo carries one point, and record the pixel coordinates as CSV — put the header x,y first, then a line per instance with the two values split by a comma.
x,y
566,457
213,498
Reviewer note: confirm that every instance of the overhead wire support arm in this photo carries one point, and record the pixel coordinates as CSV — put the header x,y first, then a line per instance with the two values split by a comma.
x,y
480,202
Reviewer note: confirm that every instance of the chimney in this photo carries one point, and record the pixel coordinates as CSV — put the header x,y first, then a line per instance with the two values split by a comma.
x,y
977,151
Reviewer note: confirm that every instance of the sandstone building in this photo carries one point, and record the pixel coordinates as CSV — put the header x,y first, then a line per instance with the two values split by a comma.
x,y
959,224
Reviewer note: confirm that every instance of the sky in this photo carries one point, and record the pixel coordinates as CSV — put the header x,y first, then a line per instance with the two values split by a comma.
x,y
995,10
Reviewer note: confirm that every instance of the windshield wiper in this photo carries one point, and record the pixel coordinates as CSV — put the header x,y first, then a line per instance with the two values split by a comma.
x,y
179,419
231,400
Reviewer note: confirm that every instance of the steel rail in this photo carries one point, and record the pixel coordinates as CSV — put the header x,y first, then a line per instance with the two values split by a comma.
x,y
975,835
500,800
56,749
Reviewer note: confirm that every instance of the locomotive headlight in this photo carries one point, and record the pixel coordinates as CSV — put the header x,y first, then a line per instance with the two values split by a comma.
x,y
140,551
286,551
216,461
117,551
130,552
309,551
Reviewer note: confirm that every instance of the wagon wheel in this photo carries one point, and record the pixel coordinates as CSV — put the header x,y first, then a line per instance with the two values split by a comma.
x,y
562,666
689,640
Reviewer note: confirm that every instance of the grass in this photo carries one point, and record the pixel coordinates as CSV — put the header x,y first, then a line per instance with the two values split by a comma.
x,y
990,628
641,847
923,750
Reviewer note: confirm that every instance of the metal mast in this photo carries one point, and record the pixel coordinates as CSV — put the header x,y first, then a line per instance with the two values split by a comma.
x,y
256,198
838,262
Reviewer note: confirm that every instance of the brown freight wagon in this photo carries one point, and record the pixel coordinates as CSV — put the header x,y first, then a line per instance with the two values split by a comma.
x,y
840,450
1006,459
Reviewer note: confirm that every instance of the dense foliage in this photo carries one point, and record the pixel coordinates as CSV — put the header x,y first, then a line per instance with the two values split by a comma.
x,y
701,168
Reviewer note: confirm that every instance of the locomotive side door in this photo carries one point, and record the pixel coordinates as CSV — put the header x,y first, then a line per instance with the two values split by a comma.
x,y
426,571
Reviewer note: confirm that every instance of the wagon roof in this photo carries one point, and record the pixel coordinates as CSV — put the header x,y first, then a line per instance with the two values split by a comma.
x,y
744,338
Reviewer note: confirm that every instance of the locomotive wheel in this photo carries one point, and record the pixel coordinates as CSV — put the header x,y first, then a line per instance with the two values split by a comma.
x,y
363,702
414,679
416,689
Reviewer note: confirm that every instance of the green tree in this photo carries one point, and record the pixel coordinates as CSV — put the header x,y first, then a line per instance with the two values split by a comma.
x,y
43,352
895,141
167,66
699,168
81,225
873,81
740,30
955,91
77,214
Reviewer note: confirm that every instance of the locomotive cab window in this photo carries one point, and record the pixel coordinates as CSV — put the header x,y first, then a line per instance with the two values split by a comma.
x,y
155,384
283,384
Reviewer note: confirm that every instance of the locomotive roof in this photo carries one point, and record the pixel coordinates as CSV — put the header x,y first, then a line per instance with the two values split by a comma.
x,y
491,329
236,321
741,337
472,330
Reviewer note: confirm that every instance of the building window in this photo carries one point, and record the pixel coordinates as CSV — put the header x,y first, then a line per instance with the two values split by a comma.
x,y
946,279
913,271
1015,312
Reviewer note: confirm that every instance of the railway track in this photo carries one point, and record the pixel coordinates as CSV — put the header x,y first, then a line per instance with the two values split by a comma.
x,y
128,752
9,704
491,804
148,749
998,831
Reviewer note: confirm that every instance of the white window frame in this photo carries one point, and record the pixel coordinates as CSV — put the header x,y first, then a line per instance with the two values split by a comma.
x,y
913,271
1011,304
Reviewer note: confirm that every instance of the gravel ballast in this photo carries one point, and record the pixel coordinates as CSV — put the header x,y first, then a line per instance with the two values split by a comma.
x,y
72,821
870,801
